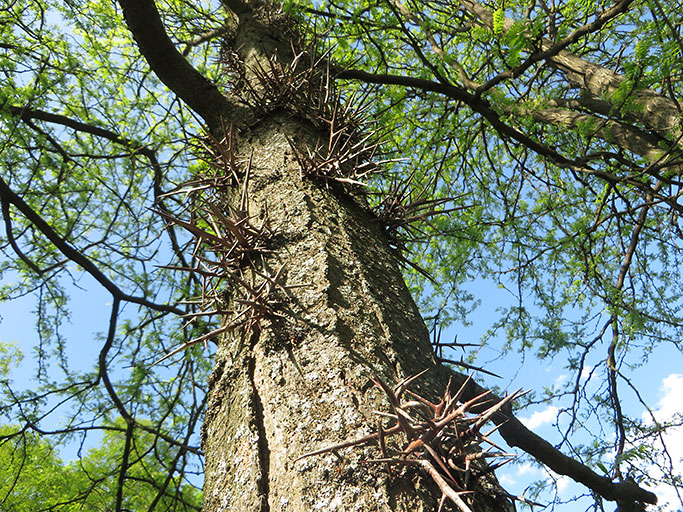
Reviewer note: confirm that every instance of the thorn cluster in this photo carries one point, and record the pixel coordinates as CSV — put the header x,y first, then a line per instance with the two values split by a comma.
x,y
442,439
229,248
304,86
405,211
343,159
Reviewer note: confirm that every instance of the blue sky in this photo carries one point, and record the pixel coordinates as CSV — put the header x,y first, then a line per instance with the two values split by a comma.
x,y
660,381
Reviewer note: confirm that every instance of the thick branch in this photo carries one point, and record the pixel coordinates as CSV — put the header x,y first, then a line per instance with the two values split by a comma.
x,y
193,88
657,111
516,434
623,135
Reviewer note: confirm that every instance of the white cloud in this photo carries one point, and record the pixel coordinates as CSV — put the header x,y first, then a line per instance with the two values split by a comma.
x,y
562,483
525,469
669,405
506,480
519,474
561,379
547,415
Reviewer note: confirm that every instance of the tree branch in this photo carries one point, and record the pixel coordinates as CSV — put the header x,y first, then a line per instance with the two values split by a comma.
x,y
74,255
193,88
27,114
657,111
11,239
516,434
482,107
549,49
623,135
121,480
612,369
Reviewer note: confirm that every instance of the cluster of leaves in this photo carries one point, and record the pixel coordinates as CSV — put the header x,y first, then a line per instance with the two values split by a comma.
x,y
90,146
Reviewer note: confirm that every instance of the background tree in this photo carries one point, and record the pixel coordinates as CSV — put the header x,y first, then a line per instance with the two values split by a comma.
x,y
34,477
552,130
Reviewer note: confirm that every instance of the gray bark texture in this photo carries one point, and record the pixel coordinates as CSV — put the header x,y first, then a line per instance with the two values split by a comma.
x,y
302,380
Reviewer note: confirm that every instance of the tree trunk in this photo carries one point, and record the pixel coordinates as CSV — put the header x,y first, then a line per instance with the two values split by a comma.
x,y
322,303
333,312
301,380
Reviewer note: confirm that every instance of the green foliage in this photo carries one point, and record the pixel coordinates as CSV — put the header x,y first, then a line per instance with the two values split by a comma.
x,y
516,39
10,358
498,18
33,477
49,480
77,59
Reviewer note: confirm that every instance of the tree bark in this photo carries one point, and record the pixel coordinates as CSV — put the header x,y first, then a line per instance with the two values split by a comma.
x,y
302,380
623,135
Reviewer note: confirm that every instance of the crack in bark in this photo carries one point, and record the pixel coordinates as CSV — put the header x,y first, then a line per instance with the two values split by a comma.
x,y
263,449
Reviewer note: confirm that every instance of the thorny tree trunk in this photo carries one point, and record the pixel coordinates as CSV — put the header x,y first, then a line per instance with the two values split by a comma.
x,y
302,381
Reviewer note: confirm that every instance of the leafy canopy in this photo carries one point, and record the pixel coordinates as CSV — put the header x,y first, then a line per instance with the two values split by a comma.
x,y
553,130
